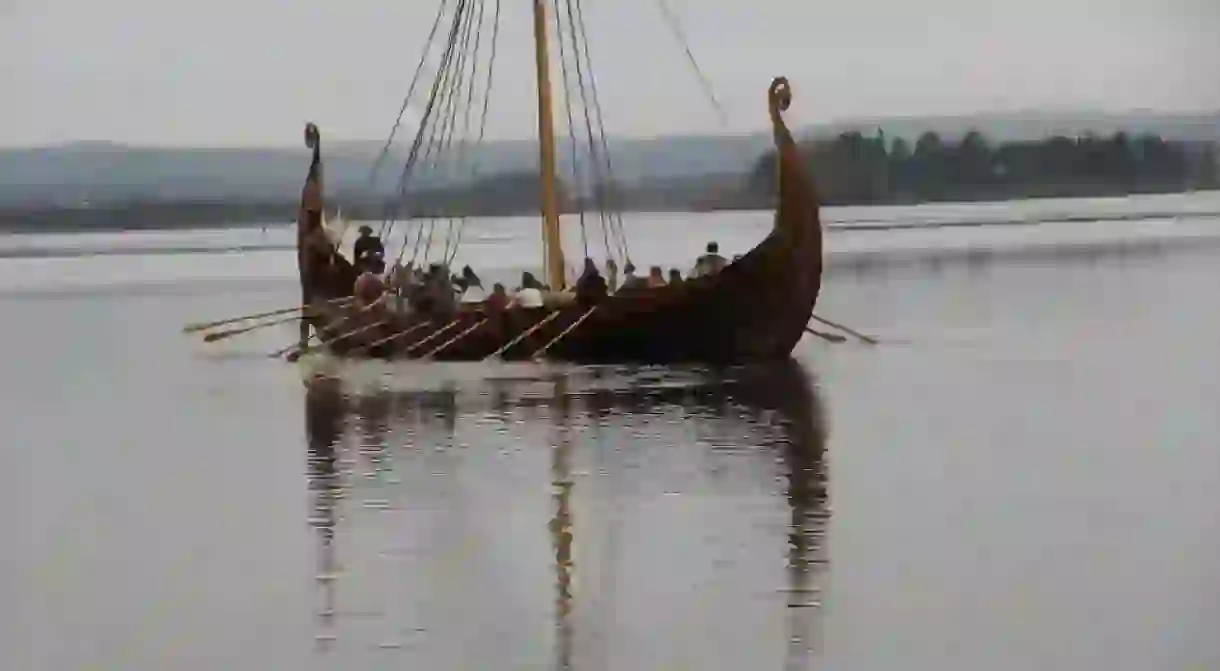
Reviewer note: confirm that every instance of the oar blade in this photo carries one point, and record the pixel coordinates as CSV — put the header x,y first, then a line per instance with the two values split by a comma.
x,y
221,335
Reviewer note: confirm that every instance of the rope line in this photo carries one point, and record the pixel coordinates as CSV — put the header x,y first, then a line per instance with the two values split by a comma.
x,y
434,158
474,165
439,96
449,125
598,179
371,182
413,156
675,27
567,103
464,146
597,110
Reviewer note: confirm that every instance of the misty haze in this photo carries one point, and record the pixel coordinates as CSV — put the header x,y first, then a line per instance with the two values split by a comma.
x,y
645,334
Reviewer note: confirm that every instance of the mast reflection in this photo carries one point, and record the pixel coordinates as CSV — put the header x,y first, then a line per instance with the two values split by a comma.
x,y
325,413
779,407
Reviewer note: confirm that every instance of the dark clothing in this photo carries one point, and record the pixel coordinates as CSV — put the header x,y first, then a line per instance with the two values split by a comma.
x,y
497,302
442,300
591,289
366,244
634,284
528,281
468,279
368,252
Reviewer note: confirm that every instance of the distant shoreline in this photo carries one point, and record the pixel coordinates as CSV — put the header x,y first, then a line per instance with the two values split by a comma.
x,y
123,189
181,216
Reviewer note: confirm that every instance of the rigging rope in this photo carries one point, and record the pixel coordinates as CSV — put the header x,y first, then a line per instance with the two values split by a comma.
x,y
413,158
445,76
464,147
371,182
450,122
413,155
435,137
679,34
593,153
447,91
617,216
567,102
491,65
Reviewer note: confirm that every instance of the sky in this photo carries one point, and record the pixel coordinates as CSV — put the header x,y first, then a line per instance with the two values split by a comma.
x,y
251,72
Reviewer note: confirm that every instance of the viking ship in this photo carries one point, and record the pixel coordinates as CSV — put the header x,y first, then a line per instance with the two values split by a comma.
x,y
755,309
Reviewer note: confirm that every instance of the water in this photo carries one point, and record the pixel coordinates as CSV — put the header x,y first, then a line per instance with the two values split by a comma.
x,y
1024,474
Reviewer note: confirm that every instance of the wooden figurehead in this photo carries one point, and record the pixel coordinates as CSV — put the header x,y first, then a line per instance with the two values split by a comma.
x,y
324,273
309,217
796,213
311,193
309,220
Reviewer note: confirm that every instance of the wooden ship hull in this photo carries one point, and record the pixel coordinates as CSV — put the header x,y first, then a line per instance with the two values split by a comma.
x,y
755,309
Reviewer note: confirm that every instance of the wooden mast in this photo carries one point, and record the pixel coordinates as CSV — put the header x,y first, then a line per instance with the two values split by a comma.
x,y
546,150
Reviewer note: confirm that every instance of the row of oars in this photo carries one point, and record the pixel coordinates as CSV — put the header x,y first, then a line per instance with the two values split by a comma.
x,y
416,346
293,311
294,351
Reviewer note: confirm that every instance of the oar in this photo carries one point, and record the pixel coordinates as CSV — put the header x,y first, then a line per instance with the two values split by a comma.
x,y
538,355
431,336
396,336
221,335
861,336
203,326
293,356
317,334
523,335
463,334
832,337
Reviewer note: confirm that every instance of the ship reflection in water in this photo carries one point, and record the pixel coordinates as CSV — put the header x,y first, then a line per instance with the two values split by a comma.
x,y
589,519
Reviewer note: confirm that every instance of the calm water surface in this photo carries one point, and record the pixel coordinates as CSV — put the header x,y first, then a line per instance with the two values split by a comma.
x,y
1025,474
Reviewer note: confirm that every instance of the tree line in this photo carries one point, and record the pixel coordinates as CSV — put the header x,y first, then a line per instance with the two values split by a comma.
x,y
506,194
851,169
855,169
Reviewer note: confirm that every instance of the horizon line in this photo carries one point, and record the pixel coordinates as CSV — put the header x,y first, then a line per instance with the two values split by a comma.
x,y
1033,113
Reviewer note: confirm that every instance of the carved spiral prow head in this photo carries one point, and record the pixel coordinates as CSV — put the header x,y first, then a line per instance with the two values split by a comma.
x,y
311,136
779,96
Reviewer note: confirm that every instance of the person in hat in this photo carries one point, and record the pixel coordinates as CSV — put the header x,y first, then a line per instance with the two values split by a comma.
x,y
368,252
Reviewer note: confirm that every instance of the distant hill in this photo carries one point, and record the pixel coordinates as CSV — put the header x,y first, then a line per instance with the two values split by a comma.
x,y
101,173
1036,125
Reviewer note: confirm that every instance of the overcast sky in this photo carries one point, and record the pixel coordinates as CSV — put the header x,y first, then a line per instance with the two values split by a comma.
x,y
250,72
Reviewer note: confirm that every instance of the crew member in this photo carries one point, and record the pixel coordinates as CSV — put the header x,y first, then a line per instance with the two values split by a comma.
x,y
591,287
368,252
711,262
